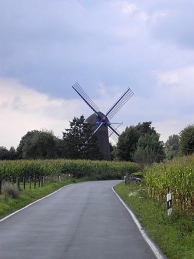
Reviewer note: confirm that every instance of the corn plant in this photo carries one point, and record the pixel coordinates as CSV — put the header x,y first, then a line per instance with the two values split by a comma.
x,y
176,176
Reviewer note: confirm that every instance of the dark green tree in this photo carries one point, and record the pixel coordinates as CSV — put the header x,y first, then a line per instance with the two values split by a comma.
x,y
149,149
139,143
127,143
171,146
4,153
59,148
13,154
186,143
37,145
78,143
112,148
145,128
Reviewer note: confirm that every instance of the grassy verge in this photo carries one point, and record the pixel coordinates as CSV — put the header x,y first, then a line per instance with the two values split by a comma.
x,y
174,234
8,205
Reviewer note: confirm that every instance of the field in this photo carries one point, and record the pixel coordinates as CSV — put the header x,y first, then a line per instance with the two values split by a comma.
x,y
173,233
37,172
176,177
20,180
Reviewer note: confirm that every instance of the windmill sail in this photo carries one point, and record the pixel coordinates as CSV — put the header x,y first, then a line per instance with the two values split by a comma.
x,y
101,122
85,97
102,119
98,125
119,103
114,134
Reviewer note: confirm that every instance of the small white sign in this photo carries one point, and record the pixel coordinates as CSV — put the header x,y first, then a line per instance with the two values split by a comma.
x,y
169,203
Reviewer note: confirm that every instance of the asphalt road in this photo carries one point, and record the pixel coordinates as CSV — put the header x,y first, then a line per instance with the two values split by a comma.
x,y
81,221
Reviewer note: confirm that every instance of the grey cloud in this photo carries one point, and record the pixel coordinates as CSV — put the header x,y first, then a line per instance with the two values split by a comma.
x,y
177,25
49,45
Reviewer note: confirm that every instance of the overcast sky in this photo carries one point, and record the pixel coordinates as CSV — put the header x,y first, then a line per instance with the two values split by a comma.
x,y
106,46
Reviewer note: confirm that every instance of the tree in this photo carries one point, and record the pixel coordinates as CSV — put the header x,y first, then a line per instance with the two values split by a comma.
x,y
78,143
37,145
145,127
112,151
171,146
186,143
13,154
140,143
149,149
127,143
59,148
4,153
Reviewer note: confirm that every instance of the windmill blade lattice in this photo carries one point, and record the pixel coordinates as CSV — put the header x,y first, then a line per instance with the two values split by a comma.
x,y
112,133
102,119
85,97
98,125
119,103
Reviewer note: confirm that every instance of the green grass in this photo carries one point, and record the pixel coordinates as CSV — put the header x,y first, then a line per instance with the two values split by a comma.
x,y
8,205
174,234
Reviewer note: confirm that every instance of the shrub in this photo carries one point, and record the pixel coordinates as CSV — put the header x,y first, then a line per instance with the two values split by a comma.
x,y
11,191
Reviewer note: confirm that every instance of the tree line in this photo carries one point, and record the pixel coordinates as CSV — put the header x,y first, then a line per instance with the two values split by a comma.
x,y
43,144
138,143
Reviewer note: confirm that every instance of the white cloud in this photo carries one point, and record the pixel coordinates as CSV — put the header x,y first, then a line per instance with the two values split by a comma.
x,y
23,109
169,77
175,106
101,90
168,128
156,16
128,8
180,81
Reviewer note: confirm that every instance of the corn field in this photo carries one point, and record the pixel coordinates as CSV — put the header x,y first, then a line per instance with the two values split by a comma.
x,y
177,177
37,171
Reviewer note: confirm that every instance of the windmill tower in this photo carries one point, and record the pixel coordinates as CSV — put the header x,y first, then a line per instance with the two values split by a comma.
x,y
102,126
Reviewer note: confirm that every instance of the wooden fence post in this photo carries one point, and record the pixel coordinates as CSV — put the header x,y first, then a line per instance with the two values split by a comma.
x,y
42,181
35,182
24,182
18,183
30,182
127,178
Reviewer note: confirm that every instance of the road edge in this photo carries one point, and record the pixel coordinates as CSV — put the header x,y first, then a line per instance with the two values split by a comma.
x,y
151,244
8,216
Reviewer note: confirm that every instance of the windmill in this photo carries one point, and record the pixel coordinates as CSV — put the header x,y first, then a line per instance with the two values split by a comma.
x,y
101,122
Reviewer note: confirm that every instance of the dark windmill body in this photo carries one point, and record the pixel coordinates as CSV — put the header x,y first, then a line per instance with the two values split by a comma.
x,y
102,126
102,135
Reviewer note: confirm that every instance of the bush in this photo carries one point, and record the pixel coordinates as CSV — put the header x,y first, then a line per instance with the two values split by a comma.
x,y
11,191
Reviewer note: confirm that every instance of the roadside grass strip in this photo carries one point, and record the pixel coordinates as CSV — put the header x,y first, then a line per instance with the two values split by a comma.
x,y
10,215
10,206
173,234
154,248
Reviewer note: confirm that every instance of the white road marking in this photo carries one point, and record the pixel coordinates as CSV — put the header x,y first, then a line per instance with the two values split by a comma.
x,y
31,204
143,233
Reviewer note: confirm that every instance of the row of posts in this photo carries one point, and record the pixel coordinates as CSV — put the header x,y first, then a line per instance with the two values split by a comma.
x,y
36,182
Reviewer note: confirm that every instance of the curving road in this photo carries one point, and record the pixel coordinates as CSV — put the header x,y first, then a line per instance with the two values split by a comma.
x,y
80,221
